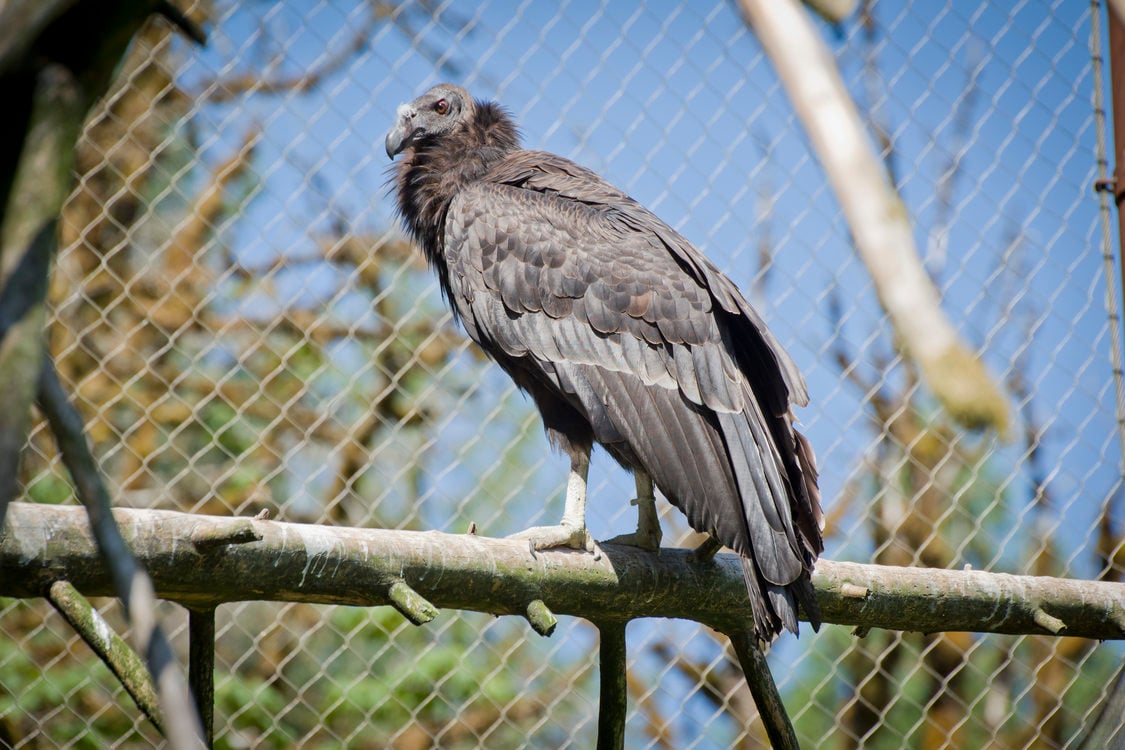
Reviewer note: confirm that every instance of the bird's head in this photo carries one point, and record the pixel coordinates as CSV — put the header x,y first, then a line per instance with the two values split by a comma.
x,y
439,111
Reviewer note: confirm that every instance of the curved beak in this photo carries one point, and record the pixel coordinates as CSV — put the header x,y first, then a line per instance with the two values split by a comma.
x,y
397,138
403,132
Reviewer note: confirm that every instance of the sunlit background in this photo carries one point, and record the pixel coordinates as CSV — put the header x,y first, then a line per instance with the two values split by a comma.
x,y
245,328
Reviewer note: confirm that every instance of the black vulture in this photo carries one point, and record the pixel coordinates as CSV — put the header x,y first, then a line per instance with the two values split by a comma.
x,y
624,335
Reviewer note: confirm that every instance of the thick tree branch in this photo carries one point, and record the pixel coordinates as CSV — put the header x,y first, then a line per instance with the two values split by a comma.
x,y
35,171
309,563
55,63
764,689
109,646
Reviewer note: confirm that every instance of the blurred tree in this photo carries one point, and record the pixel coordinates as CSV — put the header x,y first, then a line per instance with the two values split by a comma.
x,y
206,389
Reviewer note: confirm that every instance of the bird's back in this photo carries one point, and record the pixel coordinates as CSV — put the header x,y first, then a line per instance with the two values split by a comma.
x,y
573,286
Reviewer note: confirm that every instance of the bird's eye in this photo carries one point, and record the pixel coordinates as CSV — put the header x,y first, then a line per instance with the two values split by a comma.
x,y
441,106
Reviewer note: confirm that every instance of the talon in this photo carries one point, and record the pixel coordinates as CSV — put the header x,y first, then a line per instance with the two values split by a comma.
x,y
549,537
705,552
649,542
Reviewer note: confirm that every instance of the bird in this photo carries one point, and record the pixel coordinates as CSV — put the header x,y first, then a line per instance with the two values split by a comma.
x,y
624,335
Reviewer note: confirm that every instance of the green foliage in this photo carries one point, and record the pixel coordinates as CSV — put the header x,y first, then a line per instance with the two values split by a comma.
x,y
364,675
252,705
50,489
65,695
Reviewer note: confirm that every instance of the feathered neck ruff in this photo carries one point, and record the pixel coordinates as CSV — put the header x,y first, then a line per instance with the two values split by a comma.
x,y
434,169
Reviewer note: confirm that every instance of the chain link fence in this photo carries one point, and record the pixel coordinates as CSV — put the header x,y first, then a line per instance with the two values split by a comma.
x,y
244,327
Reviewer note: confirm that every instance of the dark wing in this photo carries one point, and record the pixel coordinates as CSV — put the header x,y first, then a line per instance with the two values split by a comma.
x,y
600,301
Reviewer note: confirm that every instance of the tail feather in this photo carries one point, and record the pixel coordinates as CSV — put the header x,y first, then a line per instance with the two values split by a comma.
x,y
748,480
810,518
766,622
779,560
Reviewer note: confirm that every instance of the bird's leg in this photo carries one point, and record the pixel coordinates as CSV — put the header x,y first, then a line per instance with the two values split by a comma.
x,y
648,534
571,531
705,552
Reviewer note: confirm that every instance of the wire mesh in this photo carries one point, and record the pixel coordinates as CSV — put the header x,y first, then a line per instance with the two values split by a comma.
x,y
244,327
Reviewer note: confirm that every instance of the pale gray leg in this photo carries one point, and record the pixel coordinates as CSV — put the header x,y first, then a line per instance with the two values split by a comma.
x,y
648,534
571,531
705,552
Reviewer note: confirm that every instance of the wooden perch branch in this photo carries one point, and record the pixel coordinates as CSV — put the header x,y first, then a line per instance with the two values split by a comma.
x,y
324,564
109,646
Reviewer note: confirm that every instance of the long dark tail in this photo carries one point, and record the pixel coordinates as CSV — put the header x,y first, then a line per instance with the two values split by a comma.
x,y
776,476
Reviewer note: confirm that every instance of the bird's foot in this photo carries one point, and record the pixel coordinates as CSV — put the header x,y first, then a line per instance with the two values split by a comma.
x,y
645,538
705,552
648,533
637,539
562,535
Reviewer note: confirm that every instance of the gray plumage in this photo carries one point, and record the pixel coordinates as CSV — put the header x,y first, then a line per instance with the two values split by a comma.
x,y
621,331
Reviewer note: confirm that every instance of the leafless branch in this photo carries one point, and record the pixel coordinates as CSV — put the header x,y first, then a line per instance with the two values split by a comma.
x,y
876,214
231,87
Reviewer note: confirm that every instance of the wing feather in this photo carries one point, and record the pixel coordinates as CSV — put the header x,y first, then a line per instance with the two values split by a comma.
x,y
685,373
658,423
